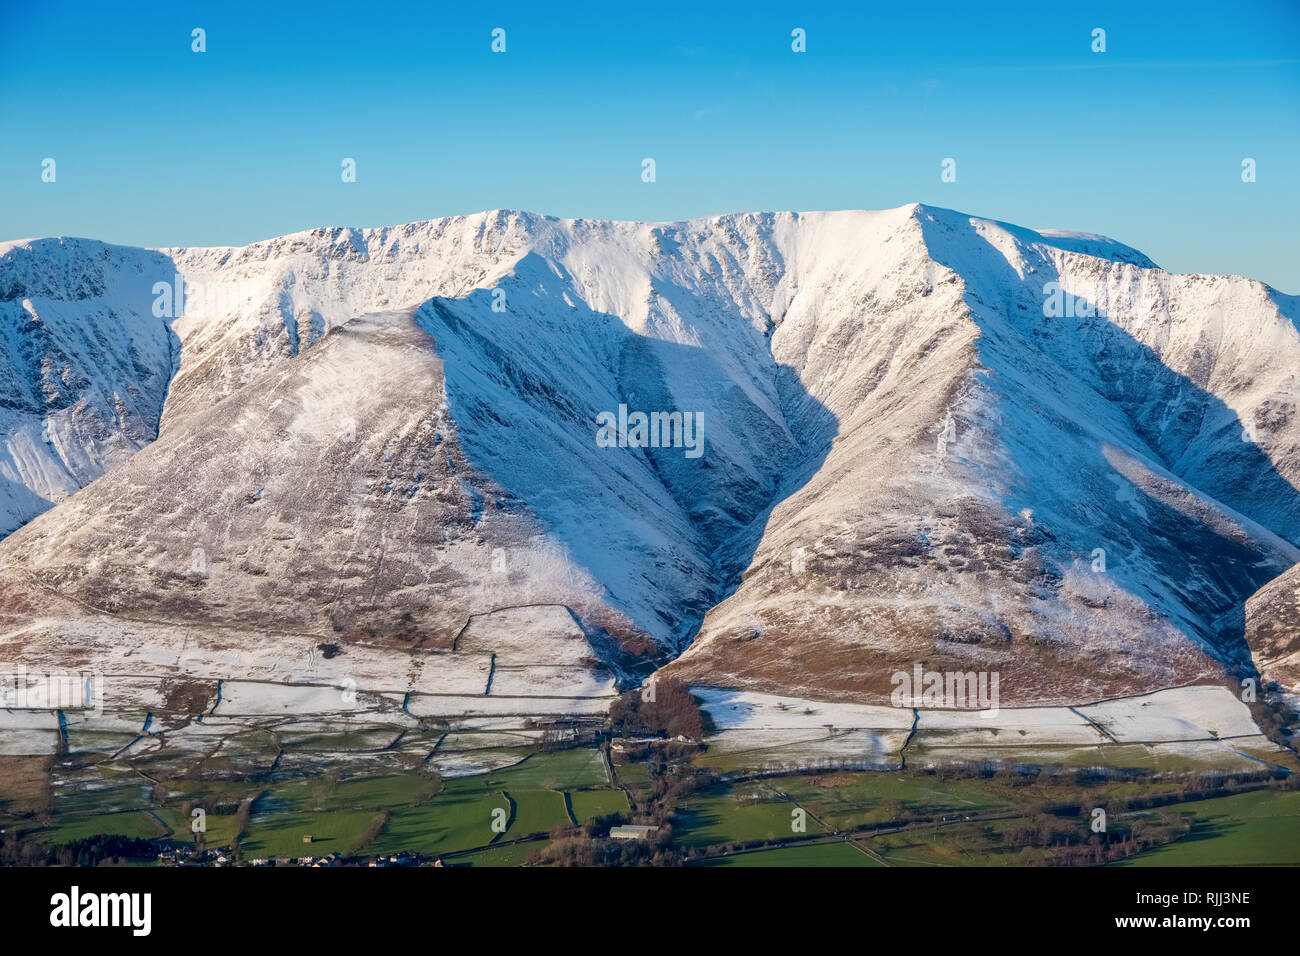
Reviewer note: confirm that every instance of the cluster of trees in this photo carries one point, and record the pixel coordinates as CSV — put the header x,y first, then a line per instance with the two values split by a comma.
x,y
1093,785
371,833
664,707
673,777
1069,842
91,851
590,845
1271,711
241,826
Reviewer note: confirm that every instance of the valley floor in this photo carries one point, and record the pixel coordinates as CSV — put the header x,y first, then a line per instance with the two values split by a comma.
x,y
514,816
1181,784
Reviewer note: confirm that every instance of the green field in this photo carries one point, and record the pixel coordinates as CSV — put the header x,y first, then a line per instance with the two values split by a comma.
x,y
589,804
817,854
459,818
106,793
560,770
425,814
861,799
633,773
220,826
281,834
719,817
1247,829
956,844
376,793
514,854
536,811
132,823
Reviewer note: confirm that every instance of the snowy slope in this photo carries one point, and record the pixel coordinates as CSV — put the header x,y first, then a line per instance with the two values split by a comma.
x,y
328,496
1272,626
988,454
256,305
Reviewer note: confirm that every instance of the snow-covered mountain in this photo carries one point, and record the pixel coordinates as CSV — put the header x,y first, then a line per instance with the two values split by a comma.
x,y
84,366
914,436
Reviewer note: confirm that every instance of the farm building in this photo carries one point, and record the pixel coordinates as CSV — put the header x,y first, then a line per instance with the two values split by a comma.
x,y
629,832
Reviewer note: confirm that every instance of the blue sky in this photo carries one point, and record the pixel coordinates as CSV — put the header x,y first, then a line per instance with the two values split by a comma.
x,y
157,145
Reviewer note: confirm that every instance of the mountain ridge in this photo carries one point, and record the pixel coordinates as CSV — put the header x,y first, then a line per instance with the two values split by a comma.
x,y
813,345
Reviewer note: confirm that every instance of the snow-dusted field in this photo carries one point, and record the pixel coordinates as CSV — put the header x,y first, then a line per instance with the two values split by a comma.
x,y
250,699
517,739
16,720
545,634
193,693
546,681
134,656
25,741
1184,713
770,748
747,710
1182,724
449,706
1008,727
469,763
1197,725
